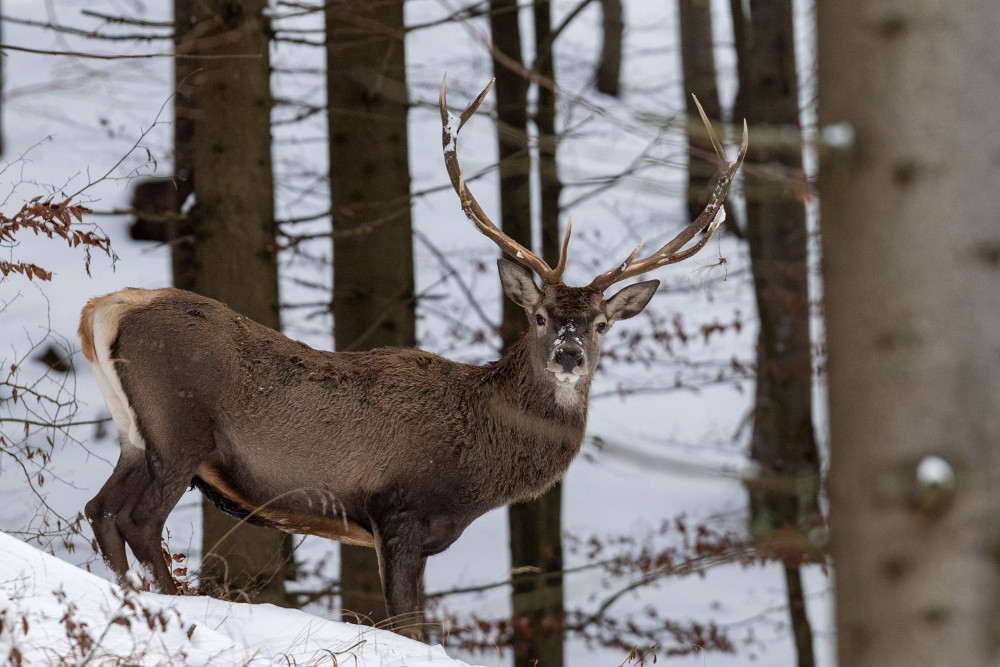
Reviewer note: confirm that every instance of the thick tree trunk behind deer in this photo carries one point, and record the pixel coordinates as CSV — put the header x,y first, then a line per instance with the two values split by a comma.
x,y
373,291
395,448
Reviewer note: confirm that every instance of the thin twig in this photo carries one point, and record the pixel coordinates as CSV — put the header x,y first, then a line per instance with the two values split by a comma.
x,y
128,56
453,273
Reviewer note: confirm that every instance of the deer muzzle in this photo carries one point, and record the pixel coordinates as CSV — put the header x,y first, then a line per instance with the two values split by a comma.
x,y
568,362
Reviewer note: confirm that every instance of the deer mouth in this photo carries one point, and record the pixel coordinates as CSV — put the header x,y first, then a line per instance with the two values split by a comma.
x,y
563,376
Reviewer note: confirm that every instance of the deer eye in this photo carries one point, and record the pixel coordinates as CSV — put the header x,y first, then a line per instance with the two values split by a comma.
x,y
540,320
602,327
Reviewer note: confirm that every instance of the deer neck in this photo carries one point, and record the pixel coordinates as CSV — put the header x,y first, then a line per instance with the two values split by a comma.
x,y
530,433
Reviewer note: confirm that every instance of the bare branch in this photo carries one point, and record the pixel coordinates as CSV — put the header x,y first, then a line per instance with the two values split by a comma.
x,y
126,56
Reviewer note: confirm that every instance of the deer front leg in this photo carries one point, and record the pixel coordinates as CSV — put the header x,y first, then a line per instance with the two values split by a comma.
x,y
401,566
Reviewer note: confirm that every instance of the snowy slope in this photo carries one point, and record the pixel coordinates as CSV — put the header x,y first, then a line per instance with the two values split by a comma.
x,y
52,612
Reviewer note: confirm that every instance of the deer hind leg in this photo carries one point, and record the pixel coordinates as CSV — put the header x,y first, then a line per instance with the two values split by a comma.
x,y
103,510
132,507
141,520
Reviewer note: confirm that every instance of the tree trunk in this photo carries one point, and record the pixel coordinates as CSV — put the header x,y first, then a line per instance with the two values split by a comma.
x,y
741,44
373,300
232,224
528,521
179,233
512,135
698,68
609,66
783,442
536,526
801,628
784,495
908,97
548,140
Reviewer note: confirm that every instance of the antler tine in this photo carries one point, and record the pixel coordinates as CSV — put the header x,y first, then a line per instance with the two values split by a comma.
x,y
614,275
711,217
449,141
561,264
719,150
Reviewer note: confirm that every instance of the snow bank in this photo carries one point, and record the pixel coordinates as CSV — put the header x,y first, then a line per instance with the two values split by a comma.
x,y
52,612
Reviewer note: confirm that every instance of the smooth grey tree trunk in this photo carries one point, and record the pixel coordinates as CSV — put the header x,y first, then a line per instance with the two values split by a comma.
x,y
911,249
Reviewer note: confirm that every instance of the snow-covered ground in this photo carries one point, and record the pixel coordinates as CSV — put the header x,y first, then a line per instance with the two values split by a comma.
x,y
651,456
54,613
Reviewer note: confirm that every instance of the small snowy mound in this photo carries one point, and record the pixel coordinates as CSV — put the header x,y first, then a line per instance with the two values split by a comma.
x,y
54,613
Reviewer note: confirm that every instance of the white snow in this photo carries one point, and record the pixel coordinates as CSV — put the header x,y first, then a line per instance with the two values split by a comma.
x,y
53,612
838,135
451,130
935,471
567,330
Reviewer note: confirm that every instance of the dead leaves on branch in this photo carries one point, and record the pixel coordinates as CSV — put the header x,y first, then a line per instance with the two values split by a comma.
x,y
54,220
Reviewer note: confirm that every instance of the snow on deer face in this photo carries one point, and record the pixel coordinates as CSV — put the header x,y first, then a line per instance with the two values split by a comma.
x,y
567,324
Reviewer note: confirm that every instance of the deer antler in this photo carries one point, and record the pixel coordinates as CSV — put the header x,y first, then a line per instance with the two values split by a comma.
x,y
712,216
449,141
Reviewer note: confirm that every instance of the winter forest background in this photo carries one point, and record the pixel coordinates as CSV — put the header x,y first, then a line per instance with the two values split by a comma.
x,y
763,425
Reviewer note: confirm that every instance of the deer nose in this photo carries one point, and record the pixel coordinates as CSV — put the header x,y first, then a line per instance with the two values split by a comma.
x,y
569,357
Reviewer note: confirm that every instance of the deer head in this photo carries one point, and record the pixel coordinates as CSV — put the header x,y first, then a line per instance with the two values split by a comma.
x,y
567,323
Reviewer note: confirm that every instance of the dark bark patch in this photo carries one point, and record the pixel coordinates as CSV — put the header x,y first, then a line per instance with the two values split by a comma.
x,y
888,341
904,173
892,27
935,615
894,568
860,637
989,254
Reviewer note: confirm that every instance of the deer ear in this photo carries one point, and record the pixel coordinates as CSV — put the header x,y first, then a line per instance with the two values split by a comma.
x,y
630,301
518,284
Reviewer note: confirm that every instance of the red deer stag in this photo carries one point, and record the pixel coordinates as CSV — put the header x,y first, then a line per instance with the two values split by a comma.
x,y
396,449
